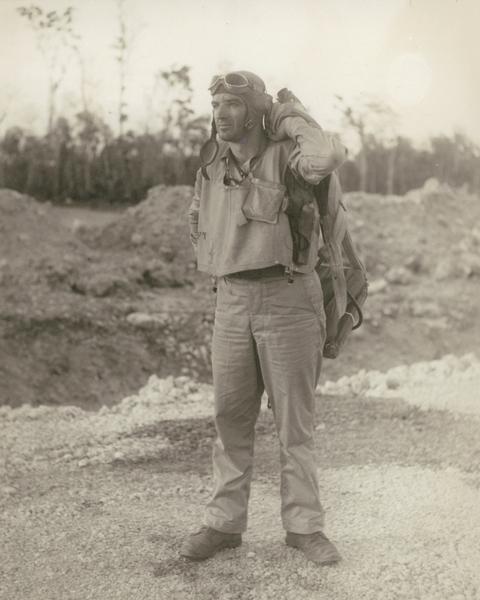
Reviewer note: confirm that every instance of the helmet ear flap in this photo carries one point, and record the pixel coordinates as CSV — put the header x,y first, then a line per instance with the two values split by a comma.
x,y
209,150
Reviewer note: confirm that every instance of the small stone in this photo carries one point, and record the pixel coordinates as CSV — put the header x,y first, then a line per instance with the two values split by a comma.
x,y
9,490
100,285
77,225
415,263
446,269
251,555
432,186
390,311
425,309
377,286
392,383
399,276
470,263
136,239
118,455
144,320
83,462
320,427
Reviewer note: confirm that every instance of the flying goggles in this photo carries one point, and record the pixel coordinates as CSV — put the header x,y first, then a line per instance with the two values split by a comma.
x,y
234,82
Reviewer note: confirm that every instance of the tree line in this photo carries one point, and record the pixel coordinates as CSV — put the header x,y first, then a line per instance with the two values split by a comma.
x,y
83,161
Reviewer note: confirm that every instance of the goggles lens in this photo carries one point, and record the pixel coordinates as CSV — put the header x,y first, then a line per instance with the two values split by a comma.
x,y
231,81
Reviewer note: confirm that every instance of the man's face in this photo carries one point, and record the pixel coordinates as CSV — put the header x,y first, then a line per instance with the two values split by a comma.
x,y
229,113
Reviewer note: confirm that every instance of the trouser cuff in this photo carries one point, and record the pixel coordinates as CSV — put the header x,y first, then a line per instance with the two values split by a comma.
x,y
225,527
304,527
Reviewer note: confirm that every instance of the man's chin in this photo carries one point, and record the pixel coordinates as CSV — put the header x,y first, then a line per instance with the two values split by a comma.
x,y
228,136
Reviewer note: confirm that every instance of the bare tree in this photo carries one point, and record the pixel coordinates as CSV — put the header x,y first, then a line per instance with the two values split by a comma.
x,y
375,122
54,35
122,46
75,44
358,123
384,122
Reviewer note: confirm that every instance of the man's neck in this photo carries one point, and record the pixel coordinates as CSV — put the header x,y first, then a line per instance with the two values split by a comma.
x,y
252,145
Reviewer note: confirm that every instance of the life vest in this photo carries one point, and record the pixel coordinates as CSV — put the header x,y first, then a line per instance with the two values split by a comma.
x,y
247,226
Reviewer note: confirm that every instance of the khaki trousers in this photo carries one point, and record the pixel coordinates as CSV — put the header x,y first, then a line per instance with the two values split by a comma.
x,y
268,334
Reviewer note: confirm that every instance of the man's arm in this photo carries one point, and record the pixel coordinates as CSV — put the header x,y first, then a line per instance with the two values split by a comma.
x,y
194,209
316,153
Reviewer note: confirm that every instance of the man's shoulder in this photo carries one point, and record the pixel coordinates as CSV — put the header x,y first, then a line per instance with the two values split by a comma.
x,y
281,150
285,145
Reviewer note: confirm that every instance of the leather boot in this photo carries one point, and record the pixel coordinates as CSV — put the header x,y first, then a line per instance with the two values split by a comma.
x,y
207,542
316,547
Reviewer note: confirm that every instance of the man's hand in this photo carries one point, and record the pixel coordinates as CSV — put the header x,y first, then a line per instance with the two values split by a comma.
x,y
280,120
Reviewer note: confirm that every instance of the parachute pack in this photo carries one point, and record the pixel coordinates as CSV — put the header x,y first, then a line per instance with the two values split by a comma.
x,y
341,272
336,237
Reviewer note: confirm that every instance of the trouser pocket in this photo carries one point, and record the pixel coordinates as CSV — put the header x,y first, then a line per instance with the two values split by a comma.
x,y
314,293
313,290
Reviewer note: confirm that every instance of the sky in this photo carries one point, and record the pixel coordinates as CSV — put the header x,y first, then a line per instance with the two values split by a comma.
x,y
421,57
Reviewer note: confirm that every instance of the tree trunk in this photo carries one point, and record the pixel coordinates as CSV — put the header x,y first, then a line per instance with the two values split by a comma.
x,y
363,169
391,156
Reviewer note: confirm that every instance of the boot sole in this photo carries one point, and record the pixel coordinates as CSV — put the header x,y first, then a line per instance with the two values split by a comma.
x,y
225,546
329,561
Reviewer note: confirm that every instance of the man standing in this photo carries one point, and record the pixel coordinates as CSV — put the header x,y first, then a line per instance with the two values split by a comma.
x,y
269,321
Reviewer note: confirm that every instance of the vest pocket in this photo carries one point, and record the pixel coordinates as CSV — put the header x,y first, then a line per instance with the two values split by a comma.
x,y
264,201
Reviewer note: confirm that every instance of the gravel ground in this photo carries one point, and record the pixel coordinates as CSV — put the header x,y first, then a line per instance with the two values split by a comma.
x,y
95,505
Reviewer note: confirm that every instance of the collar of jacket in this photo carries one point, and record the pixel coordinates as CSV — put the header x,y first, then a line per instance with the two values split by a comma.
x,y
225,155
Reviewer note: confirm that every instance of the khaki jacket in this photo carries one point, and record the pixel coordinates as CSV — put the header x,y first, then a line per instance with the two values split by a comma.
x,y
243,227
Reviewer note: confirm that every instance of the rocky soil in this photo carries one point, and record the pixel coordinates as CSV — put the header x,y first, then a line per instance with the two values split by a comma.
x,y
98,503
105,407
89,312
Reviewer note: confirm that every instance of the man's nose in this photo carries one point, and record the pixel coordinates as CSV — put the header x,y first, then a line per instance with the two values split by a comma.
x,y
220,111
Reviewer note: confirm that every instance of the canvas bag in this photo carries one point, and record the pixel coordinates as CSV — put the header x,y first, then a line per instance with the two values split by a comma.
x,y
342,274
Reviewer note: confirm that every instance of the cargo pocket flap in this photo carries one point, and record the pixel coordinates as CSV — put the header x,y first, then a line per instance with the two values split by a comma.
x,y
264,202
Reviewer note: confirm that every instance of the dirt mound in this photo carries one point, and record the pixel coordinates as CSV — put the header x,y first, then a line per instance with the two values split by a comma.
x,y
159,224
29,228
65,332
433,230
145,247
32,240
156,230
87,313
